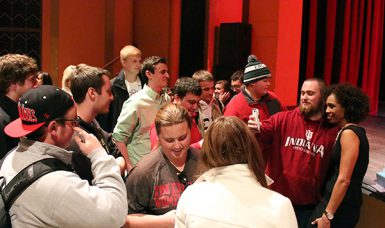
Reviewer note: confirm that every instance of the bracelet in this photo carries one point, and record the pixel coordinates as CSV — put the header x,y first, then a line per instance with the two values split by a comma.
x,y
329,215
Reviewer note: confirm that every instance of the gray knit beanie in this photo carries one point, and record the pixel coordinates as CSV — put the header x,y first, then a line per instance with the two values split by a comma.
x,y
255,70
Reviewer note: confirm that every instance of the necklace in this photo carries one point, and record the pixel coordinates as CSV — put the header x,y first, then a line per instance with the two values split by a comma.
x,y
343,128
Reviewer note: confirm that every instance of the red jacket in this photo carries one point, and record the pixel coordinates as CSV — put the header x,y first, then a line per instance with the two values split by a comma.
x,y
299,155
241,106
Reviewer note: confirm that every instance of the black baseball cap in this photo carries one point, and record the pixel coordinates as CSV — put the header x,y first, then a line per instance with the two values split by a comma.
x,y
38,106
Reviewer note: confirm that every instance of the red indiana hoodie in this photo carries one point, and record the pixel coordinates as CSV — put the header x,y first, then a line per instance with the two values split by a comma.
x,y
299,155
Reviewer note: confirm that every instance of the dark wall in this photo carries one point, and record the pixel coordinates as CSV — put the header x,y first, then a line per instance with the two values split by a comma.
x,y
20,28
233,49
192,37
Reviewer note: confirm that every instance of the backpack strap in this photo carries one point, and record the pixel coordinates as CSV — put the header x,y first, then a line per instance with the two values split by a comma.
x,y
27,176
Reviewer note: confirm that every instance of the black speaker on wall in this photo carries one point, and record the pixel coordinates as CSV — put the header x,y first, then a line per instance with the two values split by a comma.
x,y
192,36
233,49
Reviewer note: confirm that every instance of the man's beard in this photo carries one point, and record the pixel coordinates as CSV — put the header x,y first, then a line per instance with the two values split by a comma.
x,y
310,111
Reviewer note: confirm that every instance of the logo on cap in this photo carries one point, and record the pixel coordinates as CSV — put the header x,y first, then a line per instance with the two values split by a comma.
x,y
26,114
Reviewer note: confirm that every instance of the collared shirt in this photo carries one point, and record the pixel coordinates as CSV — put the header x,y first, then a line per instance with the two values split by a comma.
x,y
135,120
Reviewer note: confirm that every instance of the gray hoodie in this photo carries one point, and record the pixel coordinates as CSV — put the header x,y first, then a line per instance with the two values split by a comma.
x,y
61,198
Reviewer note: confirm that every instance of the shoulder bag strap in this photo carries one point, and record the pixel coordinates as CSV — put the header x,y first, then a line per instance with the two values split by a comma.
x,y
27,176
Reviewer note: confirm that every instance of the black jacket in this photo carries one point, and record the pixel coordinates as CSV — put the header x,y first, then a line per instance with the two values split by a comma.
x,y
81,163
8,113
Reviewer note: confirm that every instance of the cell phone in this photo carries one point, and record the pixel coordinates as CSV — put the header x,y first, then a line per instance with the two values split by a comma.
x,y
255,113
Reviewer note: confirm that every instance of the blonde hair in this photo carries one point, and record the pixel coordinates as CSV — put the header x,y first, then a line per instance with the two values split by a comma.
x,y
228,141
203,75
66,80
171,114
129,50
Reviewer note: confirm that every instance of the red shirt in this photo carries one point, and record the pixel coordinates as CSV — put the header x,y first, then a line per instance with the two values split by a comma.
x,y
241,106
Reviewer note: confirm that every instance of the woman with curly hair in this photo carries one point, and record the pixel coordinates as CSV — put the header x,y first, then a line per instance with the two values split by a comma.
x,y
346,106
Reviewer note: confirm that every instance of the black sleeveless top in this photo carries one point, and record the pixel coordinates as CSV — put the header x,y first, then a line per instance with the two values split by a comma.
x,y
353,194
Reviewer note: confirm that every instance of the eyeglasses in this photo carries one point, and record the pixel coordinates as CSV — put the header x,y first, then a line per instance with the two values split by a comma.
x,y
183,179
235,86
74,122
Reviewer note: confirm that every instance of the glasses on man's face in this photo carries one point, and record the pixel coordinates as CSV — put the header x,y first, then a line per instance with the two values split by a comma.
x,y
74,122
235,86
183,179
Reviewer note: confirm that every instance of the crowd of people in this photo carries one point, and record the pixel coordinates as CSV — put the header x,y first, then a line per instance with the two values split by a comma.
x,y
195,155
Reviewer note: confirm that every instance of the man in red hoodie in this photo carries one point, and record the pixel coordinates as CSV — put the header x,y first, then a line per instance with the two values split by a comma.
x,y
301,141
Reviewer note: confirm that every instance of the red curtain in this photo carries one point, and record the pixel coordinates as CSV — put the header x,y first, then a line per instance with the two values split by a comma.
x,y
373,55
344,43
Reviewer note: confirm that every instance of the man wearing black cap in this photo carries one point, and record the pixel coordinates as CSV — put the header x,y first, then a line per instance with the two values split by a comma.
x,y
46,123
255,94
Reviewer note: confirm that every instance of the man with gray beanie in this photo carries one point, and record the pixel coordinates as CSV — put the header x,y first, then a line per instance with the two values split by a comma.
x,y
255,93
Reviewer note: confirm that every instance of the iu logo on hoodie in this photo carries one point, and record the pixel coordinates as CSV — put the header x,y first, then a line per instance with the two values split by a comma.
x,y
309,135
307,146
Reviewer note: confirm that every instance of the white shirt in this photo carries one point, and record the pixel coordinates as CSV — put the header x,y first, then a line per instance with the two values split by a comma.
x,y
133,87
230,196
206,113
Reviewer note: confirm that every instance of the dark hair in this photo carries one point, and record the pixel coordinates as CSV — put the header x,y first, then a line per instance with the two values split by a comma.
x,y
226,85
14,68
237,75
45,77
352,99
149,64
228,141
85,77
171,114
186,85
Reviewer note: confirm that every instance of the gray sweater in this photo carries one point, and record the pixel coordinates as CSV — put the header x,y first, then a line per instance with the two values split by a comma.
x,y
61,198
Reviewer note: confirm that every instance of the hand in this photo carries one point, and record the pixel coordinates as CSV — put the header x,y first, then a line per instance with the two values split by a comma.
x,y
321,222
169,218
255,126
223,97
87,142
